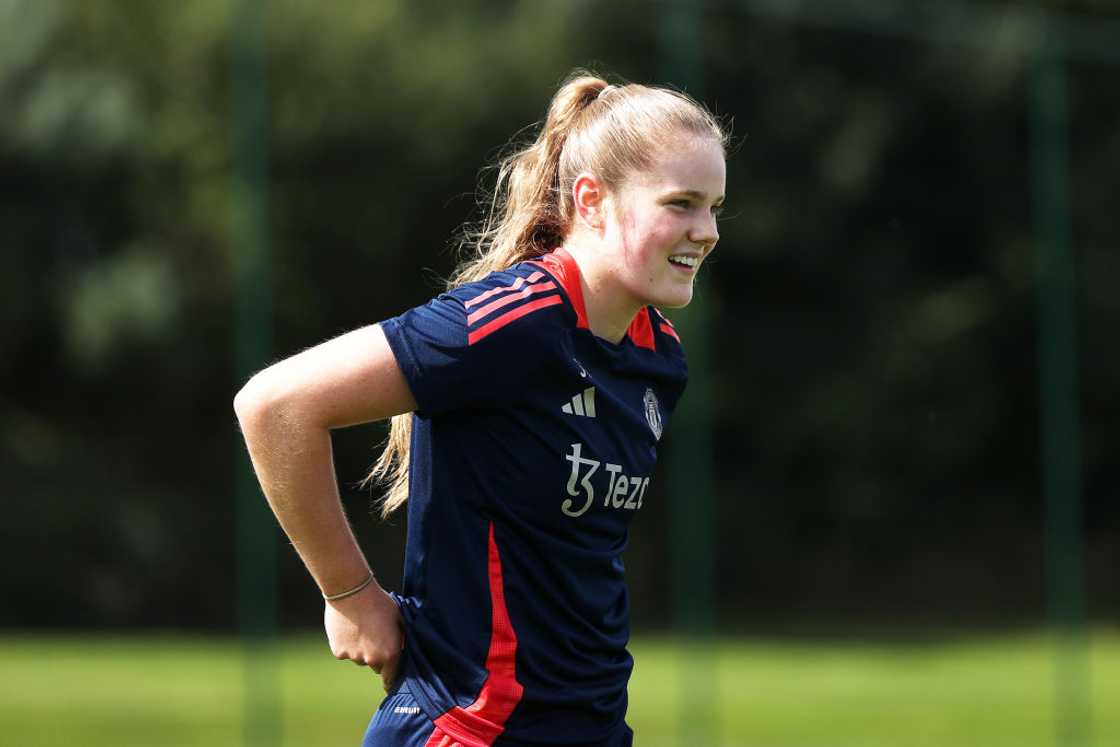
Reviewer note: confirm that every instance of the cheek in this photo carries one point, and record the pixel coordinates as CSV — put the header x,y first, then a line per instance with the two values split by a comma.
x,y
633,240
656,240
648,234
644,239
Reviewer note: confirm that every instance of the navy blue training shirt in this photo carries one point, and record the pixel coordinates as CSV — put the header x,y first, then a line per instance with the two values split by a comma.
x,y
532,449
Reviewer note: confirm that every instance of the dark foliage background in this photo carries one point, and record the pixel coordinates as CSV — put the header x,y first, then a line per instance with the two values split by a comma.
x,y
873,299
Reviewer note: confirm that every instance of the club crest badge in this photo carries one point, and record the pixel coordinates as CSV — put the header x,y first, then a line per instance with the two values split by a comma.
x,y
653,413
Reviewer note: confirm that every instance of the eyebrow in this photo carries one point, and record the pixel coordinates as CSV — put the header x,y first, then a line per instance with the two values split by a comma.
x,y
695,194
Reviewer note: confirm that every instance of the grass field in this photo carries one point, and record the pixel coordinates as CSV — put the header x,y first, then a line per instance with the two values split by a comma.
x,y
156,690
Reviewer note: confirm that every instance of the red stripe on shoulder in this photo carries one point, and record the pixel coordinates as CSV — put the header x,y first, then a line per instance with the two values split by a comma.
x,y
668,329
664,318
517,284
510,316
507,300
483,721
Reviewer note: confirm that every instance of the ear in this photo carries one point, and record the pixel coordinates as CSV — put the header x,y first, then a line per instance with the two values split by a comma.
x,y
588,193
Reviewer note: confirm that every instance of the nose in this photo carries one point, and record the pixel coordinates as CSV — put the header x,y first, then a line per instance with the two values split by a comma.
x,y
705,232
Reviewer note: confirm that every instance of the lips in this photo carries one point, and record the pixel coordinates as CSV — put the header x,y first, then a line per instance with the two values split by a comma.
x,y
684,261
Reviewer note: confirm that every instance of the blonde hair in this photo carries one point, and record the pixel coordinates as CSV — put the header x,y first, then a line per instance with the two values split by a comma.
x,y
611,131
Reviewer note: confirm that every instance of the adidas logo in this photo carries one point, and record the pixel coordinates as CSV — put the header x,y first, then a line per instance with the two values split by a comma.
x,y
582,404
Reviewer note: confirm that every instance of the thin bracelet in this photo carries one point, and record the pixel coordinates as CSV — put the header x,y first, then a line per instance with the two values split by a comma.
x,y
349,592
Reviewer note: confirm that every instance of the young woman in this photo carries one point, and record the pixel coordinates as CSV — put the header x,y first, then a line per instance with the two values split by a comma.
x,y
527,403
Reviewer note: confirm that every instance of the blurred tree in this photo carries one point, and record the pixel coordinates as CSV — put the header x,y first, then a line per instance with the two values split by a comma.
x,y
873,291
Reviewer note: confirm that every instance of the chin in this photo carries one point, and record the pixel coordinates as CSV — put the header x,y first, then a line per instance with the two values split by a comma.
x,y
677,299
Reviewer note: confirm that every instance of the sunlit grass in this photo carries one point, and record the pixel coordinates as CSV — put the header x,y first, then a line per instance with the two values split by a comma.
x,y
182,690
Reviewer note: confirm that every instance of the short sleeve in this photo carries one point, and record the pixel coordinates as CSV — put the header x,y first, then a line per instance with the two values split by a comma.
x,y
474,346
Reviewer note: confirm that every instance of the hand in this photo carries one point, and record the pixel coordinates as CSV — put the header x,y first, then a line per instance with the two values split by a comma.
x,y
366,629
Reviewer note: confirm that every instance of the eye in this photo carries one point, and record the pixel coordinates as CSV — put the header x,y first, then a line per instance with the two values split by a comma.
x,y
680,203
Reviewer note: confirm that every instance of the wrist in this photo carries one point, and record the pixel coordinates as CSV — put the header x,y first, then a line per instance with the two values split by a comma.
x,y
334,596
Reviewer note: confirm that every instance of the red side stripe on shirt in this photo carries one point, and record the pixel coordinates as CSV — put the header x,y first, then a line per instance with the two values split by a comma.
x,y
480,723
668,329
512,315
494,291
507,300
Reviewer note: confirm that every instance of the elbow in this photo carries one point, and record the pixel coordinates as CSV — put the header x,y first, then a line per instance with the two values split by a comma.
x,y
251,403
271,402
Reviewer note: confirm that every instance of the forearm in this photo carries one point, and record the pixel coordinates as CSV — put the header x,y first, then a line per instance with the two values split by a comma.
x,y
293,461
286,414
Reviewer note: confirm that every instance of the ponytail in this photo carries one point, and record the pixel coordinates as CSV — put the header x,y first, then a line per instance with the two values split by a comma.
x,y
609,130
525,219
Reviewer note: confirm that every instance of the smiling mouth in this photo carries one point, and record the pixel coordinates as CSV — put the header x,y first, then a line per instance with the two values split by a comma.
x,y
682,261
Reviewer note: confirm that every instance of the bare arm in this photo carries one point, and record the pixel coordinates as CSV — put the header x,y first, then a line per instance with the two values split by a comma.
x,y
286,413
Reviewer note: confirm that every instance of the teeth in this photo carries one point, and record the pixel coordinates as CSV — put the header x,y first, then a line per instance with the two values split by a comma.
x,y
680,259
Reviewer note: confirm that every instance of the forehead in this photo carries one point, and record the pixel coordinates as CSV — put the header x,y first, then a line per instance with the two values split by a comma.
x,y
686,164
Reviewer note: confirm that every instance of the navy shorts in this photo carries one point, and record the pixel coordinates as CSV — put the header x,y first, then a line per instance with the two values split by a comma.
x,y
399,722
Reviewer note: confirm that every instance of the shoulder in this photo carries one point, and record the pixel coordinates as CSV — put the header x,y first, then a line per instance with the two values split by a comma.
x,y
476,343
508,303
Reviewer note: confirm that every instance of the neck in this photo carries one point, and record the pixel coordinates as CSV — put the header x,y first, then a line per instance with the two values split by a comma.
x,y
610,307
